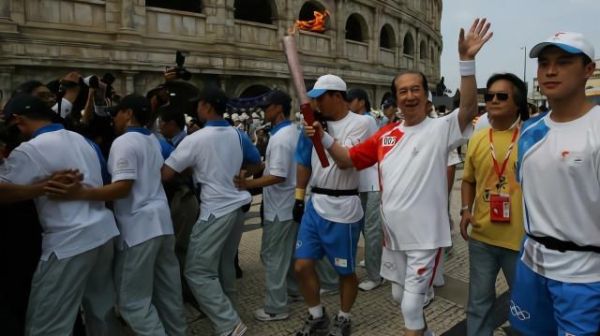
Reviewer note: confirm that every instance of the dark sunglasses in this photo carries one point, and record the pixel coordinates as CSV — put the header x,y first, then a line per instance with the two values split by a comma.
x,y
488,97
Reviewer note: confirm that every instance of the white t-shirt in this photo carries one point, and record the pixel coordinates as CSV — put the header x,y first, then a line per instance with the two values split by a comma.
x,y
560,174
73,227
412,166
144,213
215,155
369,177
278,199
348,132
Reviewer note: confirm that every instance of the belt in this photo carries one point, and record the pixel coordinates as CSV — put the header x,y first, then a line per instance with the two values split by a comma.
x,y
562,246
334,192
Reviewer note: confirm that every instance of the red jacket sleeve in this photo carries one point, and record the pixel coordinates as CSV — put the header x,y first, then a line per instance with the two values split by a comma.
x,y
365,154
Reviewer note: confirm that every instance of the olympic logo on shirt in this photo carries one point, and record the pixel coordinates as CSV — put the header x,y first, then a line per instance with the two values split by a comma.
x,y
519,313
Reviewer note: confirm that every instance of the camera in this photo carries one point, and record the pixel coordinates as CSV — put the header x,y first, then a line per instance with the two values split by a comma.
x,y
180,71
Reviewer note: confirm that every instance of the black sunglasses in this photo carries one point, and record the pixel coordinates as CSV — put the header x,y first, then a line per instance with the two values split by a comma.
x,y
488,97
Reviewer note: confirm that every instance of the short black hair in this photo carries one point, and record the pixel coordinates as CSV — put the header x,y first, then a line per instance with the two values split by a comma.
x,y
170,113
410,72
519,91
359,94
28,87
214,96
140,106
343,93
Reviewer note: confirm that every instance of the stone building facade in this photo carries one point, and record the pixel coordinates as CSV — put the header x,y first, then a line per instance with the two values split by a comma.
x,y
234,43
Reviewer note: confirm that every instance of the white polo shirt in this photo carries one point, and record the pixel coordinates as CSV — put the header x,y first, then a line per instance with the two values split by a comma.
x,y
215,153
559,170
70,227
348,132
144,213
369,177
412,166
278,199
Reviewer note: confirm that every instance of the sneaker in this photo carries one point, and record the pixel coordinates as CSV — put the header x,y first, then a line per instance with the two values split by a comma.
x,y
315,326
294,298
239,330
368,285
327,292
429,298
362,264
261,315
341,327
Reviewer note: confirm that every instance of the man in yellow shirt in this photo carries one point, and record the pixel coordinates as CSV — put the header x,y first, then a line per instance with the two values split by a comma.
x,y
491,198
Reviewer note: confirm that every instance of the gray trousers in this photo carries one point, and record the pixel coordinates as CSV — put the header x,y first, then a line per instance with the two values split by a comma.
x,y
277,249
372,232
149,287
210,270
59,287
485,261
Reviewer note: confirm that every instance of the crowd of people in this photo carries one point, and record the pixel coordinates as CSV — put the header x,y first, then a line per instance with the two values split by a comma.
x,y
122,212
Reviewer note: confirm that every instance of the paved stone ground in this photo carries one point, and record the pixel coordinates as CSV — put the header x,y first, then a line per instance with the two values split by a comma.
x,y
374,313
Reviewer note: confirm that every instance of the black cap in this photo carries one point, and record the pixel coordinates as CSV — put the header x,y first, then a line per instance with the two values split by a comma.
x,y
388,102
214,96
275,97
359,94
138,104
29,105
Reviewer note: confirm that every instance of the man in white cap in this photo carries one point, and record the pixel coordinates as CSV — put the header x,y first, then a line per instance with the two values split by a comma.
x,y
412,158
331,223
557,282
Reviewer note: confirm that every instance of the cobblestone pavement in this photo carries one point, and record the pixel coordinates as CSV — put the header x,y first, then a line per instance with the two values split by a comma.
x,y
374,313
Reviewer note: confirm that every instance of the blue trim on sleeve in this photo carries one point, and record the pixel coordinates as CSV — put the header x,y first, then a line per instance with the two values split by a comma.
x,y
103,166
165,148
303,153
532,132
249,151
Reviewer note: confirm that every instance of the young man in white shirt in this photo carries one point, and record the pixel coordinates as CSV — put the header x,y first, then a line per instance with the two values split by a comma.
x,y
557,282
370,198
331,223
77,247
278,182
215,155
146,269
412,158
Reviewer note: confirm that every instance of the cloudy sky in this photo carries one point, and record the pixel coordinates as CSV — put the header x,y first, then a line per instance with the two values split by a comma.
x,y
515,23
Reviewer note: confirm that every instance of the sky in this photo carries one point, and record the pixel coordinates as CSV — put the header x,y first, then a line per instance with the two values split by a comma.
x,y
515,23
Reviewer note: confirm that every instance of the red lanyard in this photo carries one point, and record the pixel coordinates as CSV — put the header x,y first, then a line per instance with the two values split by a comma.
x,y
500,172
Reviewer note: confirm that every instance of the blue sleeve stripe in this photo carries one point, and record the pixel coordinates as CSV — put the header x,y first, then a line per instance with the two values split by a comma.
x,y
304,151
165,148
250,152
103,167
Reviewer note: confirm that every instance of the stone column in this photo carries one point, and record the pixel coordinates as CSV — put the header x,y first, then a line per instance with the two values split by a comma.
x,y
129,81
128,32
6,74
7,25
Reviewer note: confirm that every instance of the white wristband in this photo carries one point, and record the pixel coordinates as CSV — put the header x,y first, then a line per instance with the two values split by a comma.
x,y
327,140
467,68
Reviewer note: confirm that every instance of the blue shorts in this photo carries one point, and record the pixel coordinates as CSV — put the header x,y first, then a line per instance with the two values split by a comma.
x,y
318,237
542,306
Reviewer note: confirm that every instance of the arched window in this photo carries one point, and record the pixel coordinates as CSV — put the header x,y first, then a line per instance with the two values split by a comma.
x,y
432,55
422,50
254,91
260,11
182,5
308,9
387,37
356,28
408,45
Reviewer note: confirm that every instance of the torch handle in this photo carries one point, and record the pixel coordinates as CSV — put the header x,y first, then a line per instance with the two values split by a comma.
x,y
309,117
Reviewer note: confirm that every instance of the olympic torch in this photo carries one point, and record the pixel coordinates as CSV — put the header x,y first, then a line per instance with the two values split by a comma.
x,y
291,53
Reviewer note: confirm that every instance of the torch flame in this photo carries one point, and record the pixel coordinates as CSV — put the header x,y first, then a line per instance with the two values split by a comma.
x,y
316,25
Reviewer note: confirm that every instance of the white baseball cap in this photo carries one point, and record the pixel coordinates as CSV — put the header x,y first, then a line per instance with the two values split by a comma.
x,y
327,83
235,117
573,43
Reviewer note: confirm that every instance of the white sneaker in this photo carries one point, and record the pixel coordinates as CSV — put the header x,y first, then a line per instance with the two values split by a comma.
x,y
362,264
261,315
429,297
327,292
368,285
239,330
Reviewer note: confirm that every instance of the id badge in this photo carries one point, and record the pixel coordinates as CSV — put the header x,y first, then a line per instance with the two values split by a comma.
x,y
500,208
